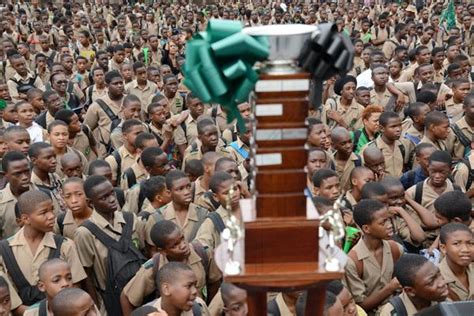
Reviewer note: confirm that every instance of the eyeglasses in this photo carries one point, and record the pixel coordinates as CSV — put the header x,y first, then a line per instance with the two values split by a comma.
x,y
62,82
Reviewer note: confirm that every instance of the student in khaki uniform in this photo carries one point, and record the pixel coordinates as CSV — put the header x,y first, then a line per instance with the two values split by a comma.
x,y
219,117
158,112
176,101
461,175
389,143
415,130
141,168
209,234
97,119
456,244
380,95
18,175
381,33
131,108
186,133
369,270
54,276
239,150
98,89
317,160
207,141
229,135
180,210
107,216
464,129
358,178
343,110
422,283
141,86
22,75
74,301
422,56
175,296
398,39
345,160
201,185
124,157
455,104
53,103
437,131
172,246
37,215
78,208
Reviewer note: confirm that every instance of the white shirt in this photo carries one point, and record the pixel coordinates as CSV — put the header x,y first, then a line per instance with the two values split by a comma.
x,y
36,133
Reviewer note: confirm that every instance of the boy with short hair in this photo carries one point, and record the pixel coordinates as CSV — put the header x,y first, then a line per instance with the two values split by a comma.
x,y
326,183
141,86
453,206
54,276
26,115
317,160
35,243
73,302
53,103
456,244
180,210
454,105
423,152
359,177
436,130
35,98
71,166
176,282
344,159
422,285
169,240
130,110
17,139
369,272
389,143
155,195
235,300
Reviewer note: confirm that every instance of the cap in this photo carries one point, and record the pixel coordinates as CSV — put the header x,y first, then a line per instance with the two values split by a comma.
x,y
411,8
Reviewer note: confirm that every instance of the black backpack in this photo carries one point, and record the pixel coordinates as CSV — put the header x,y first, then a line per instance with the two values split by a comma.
x,y
22,87
113,117
398,306
216,219
419,191
131,178
29,294
123,262
470,177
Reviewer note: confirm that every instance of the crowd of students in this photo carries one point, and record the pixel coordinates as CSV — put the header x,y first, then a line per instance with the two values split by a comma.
x,y
116,178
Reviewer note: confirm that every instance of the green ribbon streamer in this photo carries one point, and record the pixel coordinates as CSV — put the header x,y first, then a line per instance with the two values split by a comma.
x,y
218,67
145,55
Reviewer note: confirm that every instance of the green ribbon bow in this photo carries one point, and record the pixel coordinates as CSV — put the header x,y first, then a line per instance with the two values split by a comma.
x,y
219,63
145,55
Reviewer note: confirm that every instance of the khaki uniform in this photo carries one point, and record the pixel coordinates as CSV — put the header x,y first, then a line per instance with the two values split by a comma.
x,y
389,310
461,174
82,144
92,252
394,158
144,94
12,86
194,151
29,263
207,201
181,136
14,297
113,65
457,291
59,167
344,172
207,234
408,73
128,160
144,281
96,93
400,226
438,144
408,88
69,226
454,110
380,34
219,116
352,115
375,277
390,45
54,186
189,227
131,201
204,311
381,99
140,175
99,122
235,155
467,130
198,189
176,104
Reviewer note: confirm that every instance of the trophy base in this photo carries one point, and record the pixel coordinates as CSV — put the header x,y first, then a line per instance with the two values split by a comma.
x,y
280,67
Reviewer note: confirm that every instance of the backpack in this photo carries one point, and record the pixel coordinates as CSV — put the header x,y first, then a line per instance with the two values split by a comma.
x,y
113,117
60,221
202,214
42,309
398,306
131,177
395,250
217,221
470,177
123,262
118,160
419,191
22,87
29,294
463,139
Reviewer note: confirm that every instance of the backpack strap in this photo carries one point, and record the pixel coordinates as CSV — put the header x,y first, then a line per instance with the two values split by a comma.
x,y
197,309
185,129
214,203
217,221
60,222
158,216
118,160
58,241
11,264
463,139
127,229
398,306
42,309
359,264
355,141
470,176
395,250
358,162
202,253
419,192
131,177
111,115
141,198
90,92
402,151
202,215
156,263
105,239
214,113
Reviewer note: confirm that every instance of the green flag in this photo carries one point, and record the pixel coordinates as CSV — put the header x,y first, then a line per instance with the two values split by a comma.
x,y
449,15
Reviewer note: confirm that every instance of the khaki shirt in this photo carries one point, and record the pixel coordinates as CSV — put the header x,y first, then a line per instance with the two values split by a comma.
x,y
140,175
176,104
189,226
194,151
468,131
461,174
394,158
438,144
59,167
198,189
144,94
408,88
344,172
128,159
204,311
234,154
144,281
390,45
381,99
29,263
352,115
96,93
12,86
8,224
380,34
429,195
82,144
388,309
207,234
374,276
92,252
69,226
55,187
408,73
181,136
131,201
14,297
98,121
220,117
455,286
207,201
454,110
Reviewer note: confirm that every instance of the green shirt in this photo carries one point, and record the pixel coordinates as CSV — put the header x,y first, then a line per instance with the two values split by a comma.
x,y
360,138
